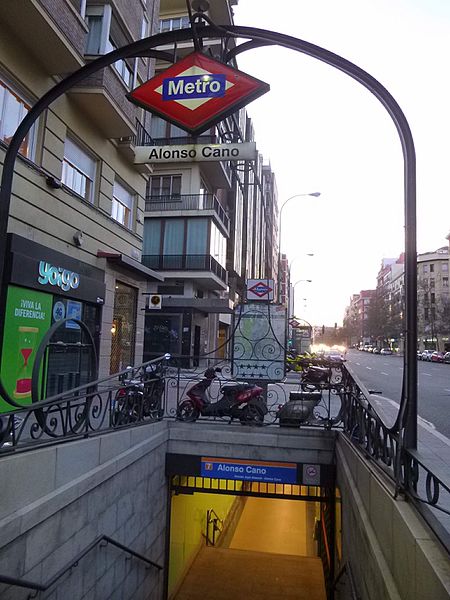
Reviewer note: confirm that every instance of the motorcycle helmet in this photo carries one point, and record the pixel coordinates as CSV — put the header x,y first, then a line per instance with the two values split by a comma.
x,y
210,373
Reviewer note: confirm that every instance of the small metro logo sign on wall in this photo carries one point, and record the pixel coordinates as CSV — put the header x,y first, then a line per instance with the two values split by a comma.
x,y
197,92
260,289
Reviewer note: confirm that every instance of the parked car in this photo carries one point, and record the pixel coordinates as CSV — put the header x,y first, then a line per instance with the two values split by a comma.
x,y
447,357
426,355
376,351
419,354
385,351
437,357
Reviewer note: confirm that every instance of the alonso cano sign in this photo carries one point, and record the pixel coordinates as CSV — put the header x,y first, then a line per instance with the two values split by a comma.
x,y
195,153
197,92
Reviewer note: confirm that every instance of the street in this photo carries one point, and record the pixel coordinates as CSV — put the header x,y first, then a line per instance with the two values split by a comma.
x,y
383,374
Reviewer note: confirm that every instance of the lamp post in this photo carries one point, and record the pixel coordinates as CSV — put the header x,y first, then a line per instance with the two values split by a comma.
x,y
315,195
293,294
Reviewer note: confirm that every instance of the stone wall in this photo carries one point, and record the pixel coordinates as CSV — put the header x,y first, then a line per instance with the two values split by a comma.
x,y
57,500
393,554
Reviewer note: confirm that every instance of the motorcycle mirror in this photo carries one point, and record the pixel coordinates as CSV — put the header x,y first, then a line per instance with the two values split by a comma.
x,y
167,356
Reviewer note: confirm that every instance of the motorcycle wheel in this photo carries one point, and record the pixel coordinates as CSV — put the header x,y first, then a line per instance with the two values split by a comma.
x,y
251,415
187,412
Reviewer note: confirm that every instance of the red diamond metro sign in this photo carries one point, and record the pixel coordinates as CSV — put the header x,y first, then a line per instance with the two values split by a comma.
x,y
197,92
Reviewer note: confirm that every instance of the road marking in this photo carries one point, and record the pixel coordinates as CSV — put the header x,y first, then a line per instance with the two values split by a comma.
x,y
446,390
383,373
423,423
370,368
427,374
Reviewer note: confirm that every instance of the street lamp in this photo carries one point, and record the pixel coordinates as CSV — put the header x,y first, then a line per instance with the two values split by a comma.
x,y
315,195
293,292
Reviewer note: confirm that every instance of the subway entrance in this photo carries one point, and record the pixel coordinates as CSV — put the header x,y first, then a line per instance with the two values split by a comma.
x,y
241,538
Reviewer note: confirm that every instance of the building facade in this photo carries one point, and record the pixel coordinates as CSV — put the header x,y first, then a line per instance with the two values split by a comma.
x,y
76,218
208,225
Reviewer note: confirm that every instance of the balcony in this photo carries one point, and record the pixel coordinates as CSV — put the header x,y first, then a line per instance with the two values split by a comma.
x,y
102,97
201,205
217,171
203,267
53,32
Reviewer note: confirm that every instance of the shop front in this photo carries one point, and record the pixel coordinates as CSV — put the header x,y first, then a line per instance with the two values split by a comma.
x,y
44,287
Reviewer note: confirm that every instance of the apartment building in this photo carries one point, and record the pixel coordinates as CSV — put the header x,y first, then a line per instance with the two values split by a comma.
x,y
356,317
207,224
76,219
433,300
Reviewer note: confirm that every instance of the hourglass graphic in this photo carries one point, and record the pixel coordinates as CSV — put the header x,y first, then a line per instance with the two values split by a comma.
x,y
26,346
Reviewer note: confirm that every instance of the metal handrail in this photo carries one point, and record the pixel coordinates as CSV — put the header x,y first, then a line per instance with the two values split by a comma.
x,y
212,518
42,587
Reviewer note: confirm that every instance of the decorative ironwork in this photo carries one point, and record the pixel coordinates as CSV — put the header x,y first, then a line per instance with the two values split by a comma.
x,y
131,397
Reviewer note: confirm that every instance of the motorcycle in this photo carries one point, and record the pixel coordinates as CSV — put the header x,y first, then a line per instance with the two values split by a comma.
x,y
315,378
139,396
243,401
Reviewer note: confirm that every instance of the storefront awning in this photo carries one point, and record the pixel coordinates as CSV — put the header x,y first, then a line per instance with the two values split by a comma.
x,y
129,264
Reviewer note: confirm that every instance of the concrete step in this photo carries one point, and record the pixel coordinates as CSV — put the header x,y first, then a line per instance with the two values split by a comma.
x,y
224,573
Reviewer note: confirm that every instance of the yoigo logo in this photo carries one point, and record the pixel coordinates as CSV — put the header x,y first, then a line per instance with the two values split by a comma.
x,y
63,278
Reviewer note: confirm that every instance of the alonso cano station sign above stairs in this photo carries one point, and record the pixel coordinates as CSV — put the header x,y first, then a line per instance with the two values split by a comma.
x,y
197,92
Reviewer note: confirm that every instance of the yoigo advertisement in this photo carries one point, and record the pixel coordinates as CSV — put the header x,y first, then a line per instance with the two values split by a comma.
x,y
27,319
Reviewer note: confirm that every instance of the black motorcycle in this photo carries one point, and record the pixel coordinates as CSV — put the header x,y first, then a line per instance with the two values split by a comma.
x,y
317,378
239,400
140,395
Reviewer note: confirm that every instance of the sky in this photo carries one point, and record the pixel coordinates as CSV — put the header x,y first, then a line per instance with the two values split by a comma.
x,y
322,131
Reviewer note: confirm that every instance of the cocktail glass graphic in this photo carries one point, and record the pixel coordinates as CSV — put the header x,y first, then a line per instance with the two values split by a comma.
x,y
27,345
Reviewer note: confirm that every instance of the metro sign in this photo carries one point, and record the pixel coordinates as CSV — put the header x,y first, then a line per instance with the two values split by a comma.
x,y
197,92
260,289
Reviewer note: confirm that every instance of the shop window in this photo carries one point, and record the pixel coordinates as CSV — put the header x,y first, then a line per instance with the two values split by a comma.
x,y
79,169
122,205
123,329
12,110
165,186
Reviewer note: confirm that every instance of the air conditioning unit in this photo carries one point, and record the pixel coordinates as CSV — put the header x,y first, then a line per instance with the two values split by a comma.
x,y
154,302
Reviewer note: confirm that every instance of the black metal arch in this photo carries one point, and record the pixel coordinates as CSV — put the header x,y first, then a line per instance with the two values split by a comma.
x,y
407,416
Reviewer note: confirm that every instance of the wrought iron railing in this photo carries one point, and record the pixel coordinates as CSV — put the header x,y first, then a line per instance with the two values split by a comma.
x,y
185,140
188,202
185,262
384,445
131,397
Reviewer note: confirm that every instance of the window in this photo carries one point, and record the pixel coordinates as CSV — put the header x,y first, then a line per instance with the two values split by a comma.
x,y
100,22
432,283
145,29
445,282
98,19
121,67
165,185
122,205
433,297
444,267
12,110
78,171
431,268
173,24
425,268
